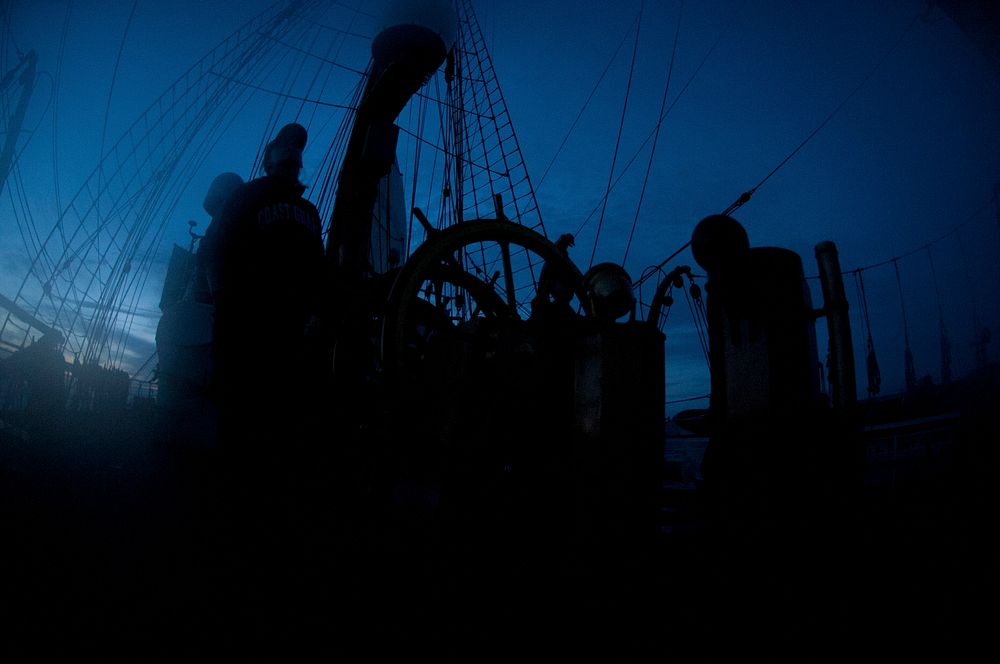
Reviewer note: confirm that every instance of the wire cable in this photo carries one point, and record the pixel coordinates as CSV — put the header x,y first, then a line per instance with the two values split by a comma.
x,y
618,140
656,136
747,195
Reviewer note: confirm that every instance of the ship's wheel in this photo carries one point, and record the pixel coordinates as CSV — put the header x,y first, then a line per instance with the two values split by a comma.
x,y
478,377
473,283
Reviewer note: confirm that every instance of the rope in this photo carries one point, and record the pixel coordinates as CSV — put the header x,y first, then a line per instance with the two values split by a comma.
x,y
593,91
334,155
55,106
696,306
943,330
922,247
114,78
618,140
480,93
871,362
686,399
421,120
862,297
650,135
980,333
153,187
910,370
659,266
656,136
103,327
745,196
280,101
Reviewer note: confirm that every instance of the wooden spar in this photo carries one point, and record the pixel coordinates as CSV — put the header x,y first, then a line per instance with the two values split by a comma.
x,y
27,81
22,314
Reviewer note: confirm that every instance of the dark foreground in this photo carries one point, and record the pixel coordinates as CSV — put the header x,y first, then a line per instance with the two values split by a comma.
x,y
117,545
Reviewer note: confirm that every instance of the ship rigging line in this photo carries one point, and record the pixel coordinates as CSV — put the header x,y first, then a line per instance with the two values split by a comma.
x,y
909,370
649,137
142,274
50,285
859,282
699,315
101,155
356,10
172,159
145,364
111,88
656,134
745,196
686,399
420,139
329,72
586,103
15,174
976,322
55,106
286,95
341,31
934,280
310,54
940,238
618,140
421,106
902,304
871,361
291,77
445,125
312,84
942,328
325,181
107,312
452,107
27,229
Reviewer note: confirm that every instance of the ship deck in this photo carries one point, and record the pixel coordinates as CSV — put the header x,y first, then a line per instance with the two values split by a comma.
x,y
118,546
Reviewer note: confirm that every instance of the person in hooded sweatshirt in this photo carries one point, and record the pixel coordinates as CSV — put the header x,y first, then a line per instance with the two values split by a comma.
x,y
264,260
263,255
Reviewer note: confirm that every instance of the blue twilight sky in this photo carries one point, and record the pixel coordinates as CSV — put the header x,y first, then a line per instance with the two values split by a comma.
x,y
911,155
